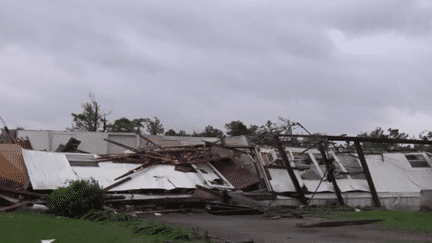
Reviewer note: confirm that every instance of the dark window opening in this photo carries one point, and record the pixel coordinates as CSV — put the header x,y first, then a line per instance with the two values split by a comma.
x,y
417,161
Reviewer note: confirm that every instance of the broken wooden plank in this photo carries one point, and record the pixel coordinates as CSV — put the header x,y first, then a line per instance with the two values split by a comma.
x,y
122,145
117,183
18,205
22,193
338,223
9,199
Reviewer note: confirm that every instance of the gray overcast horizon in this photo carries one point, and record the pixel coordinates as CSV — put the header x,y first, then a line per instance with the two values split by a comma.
x,y
337,67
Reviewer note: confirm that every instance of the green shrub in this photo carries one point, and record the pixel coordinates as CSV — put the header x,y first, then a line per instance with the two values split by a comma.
x,y
77,199
100,215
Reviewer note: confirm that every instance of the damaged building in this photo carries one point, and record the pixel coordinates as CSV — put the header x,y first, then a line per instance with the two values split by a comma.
x,y
160,170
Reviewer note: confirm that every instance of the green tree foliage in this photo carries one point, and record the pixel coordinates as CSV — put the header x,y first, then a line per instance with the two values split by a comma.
x,y
237,128
262,134
210,131
426,136
182,133
125,125
155,126
170,132
77,199
380,133
91,119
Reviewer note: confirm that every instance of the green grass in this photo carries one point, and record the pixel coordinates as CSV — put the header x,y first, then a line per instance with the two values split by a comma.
x,y
415,222
33,227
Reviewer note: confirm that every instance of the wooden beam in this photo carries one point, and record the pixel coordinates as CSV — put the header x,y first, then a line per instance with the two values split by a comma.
x,y
18,205
287,164
329,166
150,141
122,145
367,174
117,183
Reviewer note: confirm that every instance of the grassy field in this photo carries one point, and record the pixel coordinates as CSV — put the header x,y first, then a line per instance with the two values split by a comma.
x,y
415,222
24,226
33,227
398,220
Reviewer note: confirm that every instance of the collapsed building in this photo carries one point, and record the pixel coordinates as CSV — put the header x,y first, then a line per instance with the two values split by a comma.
x,y
171,171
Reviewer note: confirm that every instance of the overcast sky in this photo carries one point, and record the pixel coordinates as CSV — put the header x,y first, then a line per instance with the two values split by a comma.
x,y
334,66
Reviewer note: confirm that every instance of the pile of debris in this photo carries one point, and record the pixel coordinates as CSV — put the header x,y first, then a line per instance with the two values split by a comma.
x,y
220,178
212,177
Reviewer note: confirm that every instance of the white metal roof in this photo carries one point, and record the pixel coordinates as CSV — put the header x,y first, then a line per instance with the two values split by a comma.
x,y
47,170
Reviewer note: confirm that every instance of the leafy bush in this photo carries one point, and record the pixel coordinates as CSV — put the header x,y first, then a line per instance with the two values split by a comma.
x,y
77,199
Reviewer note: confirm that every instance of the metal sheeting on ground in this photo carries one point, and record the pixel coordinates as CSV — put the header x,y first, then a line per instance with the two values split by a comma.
x,y
104,176
160,177
47,170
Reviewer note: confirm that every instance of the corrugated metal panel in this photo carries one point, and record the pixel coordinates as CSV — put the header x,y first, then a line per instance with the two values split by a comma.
x,y
47,170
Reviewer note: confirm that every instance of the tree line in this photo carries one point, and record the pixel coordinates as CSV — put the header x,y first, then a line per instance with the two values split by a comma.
x,y
92,118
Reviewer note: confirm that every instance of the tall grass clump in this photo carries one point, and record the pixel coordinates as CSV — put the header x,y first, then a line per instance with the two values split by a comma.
x,y
77,199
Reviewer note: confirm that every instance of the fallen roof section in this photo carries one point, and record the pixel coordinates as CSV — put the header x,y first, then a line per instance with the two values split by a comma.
x,y
47,170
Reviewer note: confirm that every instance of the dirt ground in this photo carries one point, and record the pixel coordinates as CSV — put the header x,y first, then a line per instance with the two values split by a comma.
x,y
260,229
